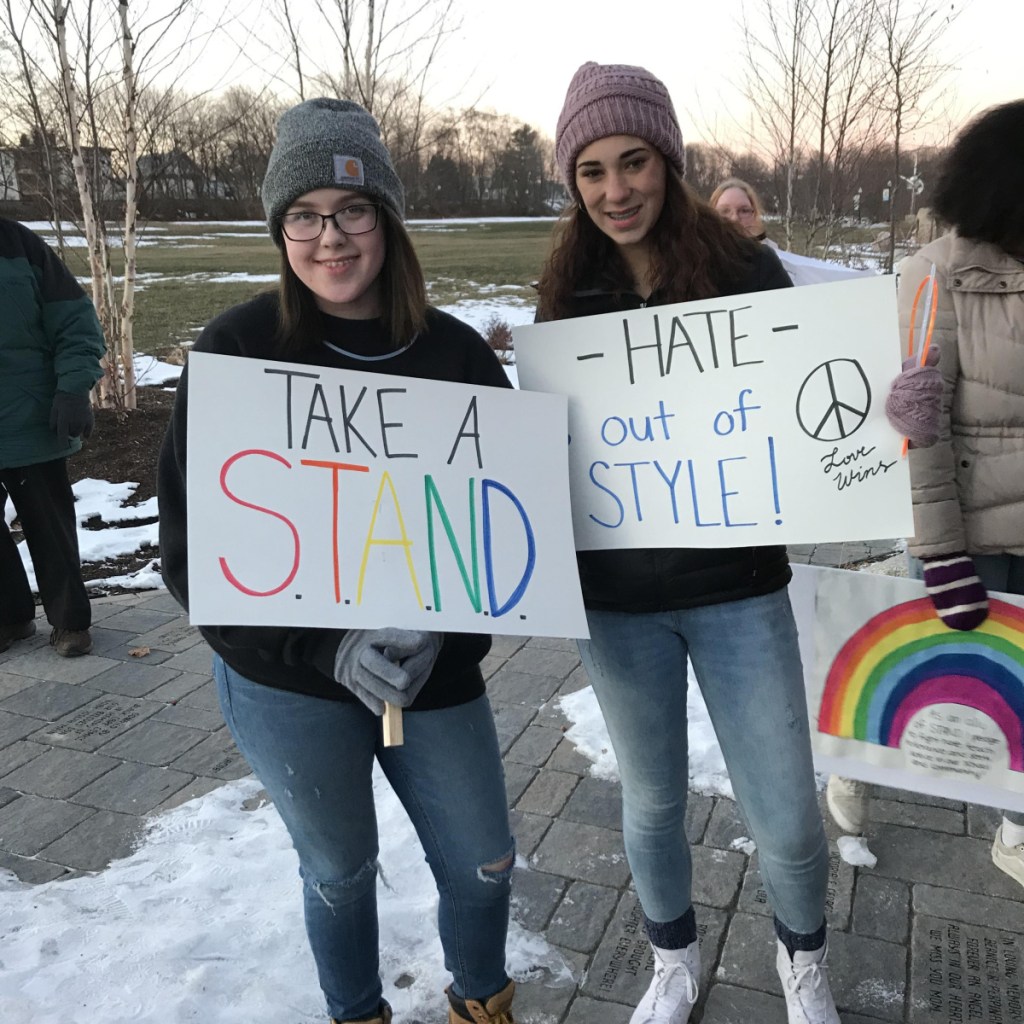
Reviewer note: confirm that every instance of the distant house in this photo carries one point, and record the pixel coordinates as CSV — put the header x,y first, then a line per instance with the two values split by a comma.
x,y
38,160
175,175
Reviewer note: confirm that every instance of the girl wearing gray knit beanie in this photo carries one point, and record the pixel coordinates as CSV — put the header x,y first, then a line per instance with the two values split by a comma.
x,y
304,706
638,235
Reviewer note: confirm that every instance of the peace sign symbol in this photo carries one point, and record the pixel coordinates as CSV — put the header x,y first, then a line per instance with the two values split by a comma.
x,y
834,400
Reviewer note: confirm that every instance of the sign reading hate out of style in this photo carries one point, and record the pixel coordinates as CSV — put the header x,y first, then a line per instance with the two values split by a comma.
x,y
749,419
333,498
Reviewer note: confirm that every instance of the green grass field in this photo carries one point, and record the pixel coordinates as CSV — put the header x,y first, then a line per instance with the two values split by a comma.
x,y
175,262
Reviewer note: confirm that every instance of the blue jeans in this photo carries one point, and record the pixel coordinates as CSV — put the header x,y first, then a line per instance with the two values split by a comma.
x,y
315,759
746,659
1002,573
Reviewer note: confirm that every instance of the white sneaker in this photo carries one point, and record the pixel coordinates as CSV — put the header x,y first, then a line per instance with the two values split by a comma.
x,y
673,991
847,801
805,984
1008,858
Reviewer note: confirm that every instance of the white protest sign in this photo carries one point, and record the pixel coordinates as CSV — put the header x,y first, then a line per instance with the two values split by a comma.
x,y
752,419
331,498
896,697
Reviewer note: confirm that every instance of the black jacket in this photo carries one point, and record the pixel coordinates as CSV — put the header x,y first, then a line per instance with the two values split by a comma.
x,y
664,579
293,658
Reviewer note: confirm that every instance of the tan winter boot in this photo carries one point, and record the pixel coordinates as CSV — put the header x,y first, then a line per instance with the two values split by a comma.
x,y
383,1018
497,1009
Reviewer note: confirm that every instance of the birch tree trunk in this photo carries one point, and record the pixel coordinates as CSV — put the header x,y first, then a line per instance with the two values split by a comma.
x,y
131,208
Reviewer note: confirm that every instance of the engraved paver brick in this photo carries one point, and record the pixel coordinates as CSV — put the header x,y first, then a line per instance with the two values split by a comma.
x,y
162,603
881,908
104,639
580,919
584,852
135,655
595,802
867,976
153,742
970,908
132,788
965,972
215,757
838,896
548,792
96,723
97,841
175,636
49,701
59,773
907,796
728,1004
535,896
132,679
32,822
623,966
535,745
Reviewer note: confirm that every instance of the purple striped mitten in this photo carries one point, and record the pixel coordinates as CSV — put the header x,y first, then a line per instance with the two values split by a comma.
x,y
959,596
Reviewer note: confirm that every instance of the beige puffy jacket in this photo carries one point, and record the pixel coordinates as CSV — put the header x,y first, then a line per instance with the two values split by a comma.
x,y
969,488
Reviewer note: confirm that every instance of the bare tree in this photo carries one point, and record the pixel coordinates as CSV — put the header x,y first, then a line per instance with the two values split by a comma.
x,y
910,33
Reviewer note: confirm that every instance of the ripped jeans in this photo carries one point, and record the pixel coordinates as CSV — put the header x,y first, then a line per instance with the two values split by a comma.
x,y
315,759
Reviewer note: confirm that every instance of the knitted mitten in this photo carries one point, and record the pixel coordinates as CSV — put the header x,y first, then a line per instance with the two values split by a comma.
x,y
959,596
914,403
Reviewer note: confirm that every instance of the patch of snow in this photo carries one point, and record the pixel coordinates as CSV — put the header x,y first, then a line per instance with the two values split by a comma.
x,y
854,850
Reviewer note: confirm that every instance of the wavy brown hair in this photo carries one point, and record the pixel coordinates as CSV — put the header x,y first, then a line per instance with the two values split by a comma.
x,y
693,250
403,291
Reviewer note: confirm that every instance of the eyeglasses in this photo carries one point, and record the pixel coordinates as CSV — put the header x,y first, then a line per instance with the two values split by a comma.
x,y
306,225
742,212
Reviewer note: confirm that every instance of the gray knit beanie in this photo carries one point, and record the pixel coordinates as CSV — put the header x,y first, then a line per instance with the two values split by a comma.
x,y
615,99
327,143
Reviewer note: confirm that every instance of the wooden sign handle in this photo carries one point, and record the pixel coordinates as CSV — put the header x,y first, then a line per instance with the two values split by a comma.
x,y
393,736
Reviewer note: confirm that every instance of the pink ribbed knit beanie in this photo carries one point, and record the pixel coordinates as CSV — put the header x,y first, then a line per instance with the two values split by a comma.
x,y
615,99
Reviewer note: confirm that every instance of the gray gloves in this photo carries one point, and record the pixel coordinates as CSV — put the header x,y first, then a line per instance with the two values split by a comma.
x,y
386,665
71,415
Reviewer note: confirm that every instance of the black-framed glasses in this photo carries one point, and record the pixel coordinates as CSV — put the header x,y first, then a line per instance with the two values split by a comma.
x,y
306,225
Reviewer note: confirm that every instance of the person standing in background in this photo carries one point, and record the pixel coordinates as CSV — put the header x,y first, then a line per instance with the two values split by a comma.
x,y
968,489
51,344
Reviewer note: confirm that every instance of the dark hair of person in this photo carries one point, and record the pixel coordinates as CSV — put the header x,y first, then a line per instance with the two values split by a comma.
x,y
693,251
979,187
403,291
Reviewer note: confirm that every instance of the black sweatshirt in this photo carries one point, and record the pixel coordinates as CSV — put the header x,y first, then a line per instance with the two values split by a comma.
x,y
294,658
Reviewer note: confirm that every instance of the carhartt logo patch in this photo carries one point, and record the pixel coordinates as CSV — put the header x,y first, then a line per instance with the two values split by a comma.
x,y
348,170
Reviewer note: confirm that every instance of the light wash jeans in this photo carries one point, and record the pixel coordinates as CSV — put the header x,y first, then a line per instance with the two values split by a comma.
x,y
315,759
1002,573
746,659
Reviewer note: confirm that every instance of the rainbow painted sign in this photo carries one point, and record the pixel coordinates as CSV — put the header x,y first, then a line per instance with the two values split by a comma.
x,y
904,660
899,698
334,498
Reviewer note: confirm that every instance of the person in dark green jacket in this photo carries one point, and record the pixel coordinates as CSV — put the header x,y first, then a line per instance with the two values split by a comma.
x,y
51,344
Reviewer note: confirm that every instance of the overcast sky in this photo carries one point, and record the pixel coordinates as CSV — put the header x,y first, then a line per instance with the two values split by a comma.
x,y
517,56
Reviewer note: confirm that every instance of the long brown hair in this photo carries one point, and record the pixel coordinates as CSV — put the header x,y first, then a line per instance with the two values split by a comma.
x,y
403,292
693,251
